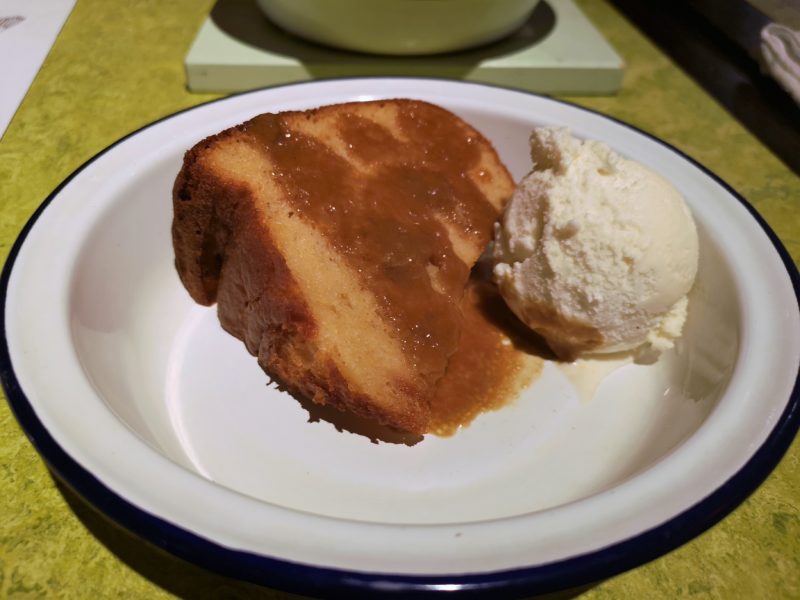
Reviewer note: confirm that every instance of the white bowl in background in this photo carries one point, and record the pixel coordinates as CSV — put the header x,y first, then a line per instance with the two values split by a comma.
x,y
401,27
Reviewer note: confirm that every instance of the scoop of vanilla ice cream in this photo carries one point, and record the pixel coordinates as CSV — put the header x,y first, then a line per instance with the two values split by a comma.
x,y
595,252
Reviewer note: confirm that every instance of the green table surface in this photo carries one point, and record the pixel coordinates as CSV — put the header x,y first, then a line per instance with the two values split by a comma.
x,y
119,65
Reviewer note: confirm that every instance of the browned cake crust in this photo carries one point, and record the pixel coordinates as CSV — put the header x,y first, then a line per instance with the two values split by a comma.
x,y
297,284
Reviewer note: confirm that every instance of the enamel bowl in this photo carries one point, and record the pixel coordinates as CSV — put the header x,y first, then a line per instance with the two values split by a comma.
x,y
400,27
140,402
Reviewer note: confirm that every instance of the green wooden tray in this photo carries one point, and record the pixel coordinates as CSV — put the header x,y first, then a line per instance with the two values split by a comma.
x,y
558,51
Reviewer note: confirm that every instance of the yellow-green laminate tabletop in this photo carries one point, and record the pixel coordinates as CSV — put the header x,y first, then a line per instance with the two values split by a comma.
x,y
117,66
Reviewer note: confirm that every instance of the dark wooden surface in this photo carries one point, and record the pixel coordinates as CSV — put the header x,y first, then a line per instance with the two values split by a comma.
x,y
717,43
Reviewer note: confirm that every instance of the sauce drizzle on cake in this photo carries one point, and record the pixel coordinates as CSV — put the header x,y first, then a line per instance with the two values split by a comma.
x,y
338,244
391,220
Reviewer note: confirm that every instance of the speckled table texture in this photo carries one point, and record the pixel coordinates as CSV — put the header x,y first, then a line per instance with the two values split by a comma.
x,y
117,66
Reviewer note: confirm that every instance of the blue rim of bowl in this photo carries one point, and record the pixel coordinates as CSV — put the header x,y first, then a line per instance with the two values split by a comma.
x,y
569,573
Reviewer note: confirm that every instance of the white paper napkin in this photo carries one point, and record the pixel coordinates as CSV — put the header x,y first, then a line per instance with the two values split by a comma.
x,y
27,31
780,48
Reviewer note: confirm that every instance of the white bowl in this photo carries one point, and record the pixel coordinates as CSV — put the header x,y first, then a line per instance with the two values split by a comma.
x,y
139,401
401,27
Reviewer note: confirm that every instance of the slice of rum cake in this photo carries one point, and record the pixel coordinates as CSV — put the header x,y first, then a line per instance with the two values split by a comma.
x,y
337,243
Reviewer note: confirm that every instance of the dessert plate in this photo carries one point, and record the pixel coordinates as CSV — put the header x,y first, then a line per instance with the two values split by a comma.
x,y
139,401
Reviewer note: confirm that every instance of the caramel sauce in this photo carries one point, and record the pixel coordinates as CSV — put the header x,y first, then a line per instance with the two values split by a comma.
x,y
490,368
387,213
388,219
